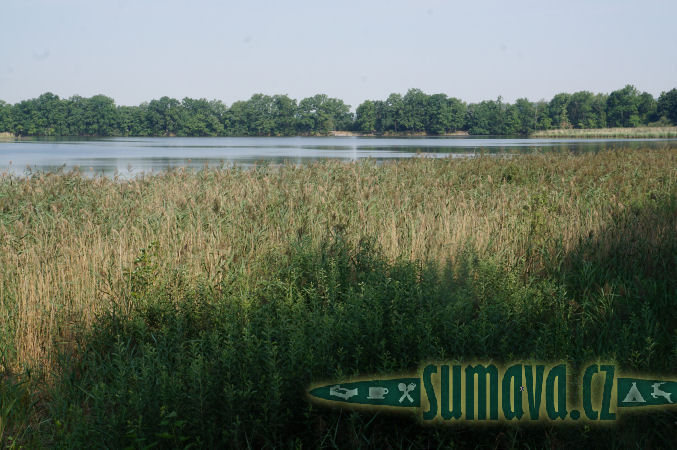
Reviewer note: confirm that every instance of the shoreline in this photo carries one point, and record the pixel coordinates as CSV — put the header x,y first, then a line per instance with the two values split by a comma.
x,y
584,133
591,133
393,134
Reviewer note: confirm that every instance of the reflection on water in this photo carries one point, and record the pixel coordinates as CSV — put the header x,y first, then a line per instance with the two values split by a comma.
x,y
127,157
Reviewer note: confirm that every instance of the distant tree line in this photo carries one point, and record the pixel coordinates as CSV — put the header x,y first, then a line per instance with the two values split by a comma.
x,y
279,115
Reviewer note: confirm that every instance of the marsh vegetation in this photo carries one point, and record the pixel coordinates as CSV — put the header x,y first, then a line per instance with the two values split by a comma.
x,y
196,307
603,133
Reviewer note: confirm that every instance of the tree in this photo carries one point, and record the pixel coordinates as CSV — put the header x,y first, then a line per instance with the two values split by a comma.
x,y
311,117
235,120
75,107
557,109
484,118
132,120
443,115
100,116
5,122
622,108
415,104
438,114
646,108
50,115
542,115
284,115
598,111
394,113
200,118
321,114
218,111
380,113
526,116
259,115
163,116
667,105
23,117
342,118
579,110
511,123
279,115
458,111
365,117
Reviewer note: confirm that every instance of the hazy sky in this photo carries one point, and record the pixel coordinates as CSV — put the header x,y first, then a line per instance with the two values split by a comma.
x,y
137,50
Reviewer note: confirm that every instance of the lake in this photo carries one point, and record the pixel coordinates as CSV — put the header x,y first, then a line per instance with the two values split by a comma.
x,y
128,157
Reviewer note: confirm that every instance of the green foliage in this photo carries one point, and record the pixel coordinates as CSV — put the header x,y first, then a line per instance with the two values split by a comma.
x,y
586,270
17,401
438,114
598,118
201,118
320,115
585,110
543,120
5,124
444,115
557,109
526,115
365,117
163,116
647,108
480,117
667,105
284,115
414,110
255,116
95,116
493,118
198,368
394,112
279,115
628,108
579,110
133,120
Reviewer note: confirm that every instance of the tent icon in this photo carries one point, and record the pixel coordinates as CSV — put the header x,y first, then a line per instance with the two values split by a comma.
x,y
634,395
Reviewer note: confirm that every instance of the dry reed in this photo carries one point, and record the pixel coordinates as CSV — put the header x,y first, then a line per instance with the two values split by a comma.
x,y
67,241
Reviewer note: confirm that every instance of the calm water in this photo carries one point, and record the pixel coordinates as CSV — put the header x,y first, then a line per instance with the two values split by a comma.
x,y
127,157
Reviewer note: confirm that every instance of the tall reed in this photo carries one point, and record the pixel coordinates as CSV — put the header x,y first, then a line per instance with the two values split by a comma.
x,y
599,133
66,240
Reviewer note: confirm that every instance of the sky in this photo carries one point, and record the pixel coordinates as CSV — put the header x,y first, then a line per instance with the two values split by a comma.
x,y
138,50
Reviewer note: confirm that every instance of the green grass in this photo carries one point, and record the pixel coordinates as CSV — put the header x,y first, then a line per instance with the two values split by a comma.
x,y
195,309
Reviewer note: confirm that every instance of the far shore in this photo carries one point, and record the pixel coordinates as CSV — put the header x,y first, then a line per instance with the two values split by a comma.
x,y
392,134
583,133
628,133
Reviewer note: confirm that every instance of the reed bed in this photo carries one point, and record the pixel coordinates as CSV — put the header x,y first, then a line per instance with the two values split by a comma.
x,y
67,239
73,249
600,133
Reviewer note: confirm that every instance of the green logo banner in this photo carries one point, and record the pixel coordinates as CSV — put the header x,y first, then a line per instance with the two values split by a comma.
x,y
402,392
636,392
453,392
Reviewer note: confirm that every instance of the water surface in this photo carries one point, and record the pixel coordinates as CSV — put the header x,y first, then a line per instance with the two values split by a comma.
x,y
127,157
